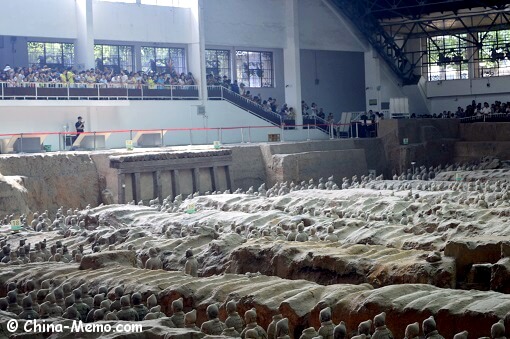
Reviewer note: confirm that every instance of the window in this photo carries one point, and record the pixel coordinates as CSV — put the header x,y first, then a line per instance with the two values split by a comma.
x,y
217,62
255,69
162,60
114,57
447,57
494,56
126,1
169,3
52,54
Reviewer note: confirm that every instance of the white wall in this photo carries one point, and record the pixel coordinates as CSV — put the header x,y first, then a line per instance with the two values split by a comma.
x,y
341,76
382,84
36,18
132,22
29,117
229,24
321,27
245,23
15,51
448,95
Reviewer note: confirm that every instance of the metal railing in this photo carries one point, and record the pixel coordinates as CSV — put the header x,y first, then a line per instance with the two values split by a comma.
x,y
493,117
96,91
223,93
111,139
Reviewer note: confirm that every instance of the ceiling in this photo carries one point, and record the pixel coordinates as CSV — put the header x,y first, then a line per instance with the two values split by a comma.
x,y
389,9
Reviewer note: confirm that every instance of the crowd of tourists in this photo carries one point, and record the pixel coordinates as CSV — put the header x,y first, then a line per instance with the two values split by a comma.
x,y
36,75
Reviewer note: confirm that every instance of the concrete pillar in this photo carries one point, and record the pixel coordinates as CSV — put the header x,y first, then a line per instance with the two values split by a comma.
x,y
471,56
195,176
229,176
214,178
137,189
137,55
176,187
372,79
196,47
121,187
84,45
157,187
292,61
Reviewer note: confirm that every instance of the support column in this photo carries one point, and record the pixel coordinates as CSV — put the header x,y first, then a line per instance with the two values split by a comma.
x,y
137,55
373,80
214,178
157,188
136,188
292,60
196,48
472,51
84,45
121,188
228,174
176,188
195,176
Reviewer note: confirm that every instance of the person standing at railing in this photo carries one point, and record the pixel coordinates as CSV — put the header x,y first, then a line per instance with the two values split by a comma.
x,y
150,83
70,76
160,81
235,87
315,110
304,108
486,110
103,82
80,128
90,78
63,76
321,113
291,114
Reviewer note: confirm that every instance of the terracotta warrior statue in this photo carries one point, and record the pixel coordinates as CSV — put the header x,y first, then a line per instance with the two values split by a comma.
x,y
234,319
178,315
412,331
213,326
327,327
250,317
381,331
430,330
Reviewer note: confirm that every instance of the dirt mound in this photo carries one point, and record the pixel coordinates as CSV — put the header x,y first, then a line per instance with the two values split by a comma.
x,y
327,263
299,300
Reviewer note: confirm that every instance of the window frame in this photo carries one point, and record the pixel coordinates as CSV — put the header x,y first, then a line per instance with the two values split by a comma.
x,y
246,67
227,70
127,65
66,53
121,1
498,40
442,45
182,64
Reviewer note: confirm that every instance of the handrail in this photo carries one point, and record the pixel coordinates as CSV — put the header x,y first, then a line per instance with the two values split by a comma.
x,y
355,115
485,117
246,135
158,130
271,117
47,90
8,84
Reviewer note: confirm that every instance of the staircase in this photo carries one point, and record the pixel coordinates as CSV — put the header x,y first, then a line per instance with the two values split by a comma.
x,y
223,93
360,14
318,123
